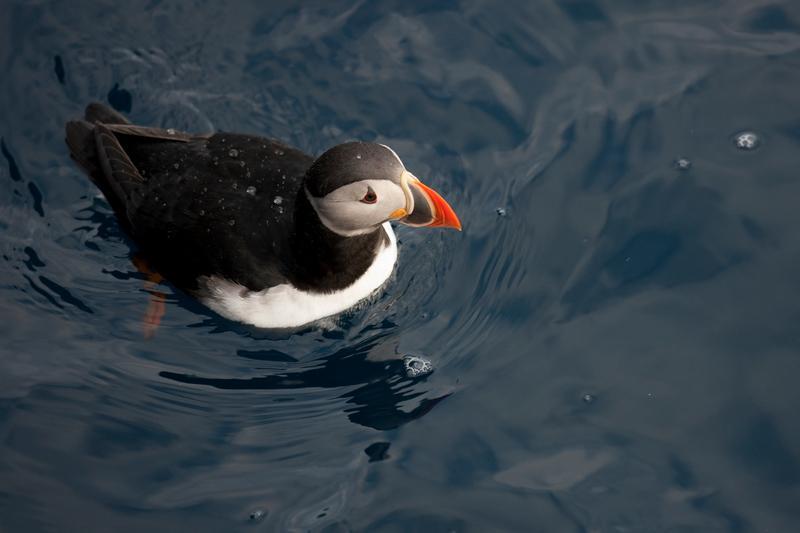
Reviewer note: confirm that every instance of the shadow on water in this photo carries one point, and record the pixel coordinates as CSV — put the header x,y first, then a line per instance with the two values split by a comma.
x,y
377,388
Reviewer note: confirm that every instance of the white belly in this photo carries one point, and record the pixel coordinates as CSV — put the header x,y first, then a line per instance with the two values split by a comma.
x,y
284,306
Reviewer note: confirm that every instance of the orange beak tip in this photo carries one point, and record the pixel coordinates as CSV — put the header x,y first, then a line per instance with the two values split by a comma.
x,y
445,216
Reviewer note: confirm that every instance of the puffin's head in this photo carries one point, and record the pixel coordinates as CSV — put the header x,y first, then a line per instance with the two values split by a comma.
x,y
355,187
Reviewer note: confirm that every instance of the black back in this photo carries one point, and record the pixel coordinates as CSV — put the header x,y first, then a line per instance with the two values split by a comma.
x,y
227,205
219,206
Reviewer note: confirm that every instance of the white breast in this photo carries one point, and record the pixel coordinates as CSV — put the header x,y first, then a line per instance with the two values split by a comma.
x,y
284,306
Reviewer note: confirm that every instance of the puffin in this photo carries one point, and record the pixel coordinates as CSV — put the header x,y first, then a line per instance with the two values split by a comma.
x,y
258,231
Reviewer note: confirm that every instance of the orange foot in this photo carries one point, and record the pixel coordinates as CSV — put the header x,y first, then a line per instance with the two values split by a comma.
x,y
156,306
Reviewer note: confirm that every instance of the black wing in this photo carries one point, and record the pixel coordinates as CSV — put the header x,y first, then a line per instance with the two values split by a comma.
x,y
198,205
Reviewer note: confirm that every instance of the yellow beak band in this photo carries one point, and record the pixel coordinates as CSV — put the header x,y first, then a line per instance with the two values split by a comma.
x,y
399,213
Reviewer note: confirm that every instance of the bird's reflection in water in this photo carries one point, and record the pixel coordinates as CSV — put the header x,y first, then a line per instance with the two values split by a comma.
x,y
375,404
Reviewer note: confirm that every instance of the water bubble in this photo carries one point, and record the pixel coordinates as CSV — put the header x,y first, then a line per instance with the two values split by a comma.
x,y
588,398
358,156
202,212
251,190
171,131
241,163
233,152
231,222
417,366
176,166
278,200
682,163
257,515
280,210
747,140
501,211
235,185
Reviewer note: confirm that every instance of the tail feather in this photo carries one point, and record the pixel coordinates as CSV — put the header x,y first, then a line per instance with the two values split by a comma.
x,y
81,138
82,147
83,142
101,113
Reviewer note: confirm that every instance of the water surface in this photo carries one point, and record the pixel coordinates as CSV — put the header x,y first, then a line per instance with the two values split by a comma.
x,y
614,334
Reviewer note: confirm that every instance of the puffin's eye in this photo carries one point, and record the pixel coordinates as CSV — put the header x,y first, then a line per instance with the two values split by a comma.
x,y
370,197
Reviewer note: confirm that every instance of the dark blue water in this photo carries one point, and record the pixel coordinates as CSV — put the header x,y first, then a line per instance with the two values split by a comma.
x,y
615,335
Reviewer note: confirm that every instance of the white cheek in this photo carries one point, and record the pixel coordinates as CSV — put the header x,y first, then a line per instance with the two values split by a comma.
x,y
352,216
343,212
390,196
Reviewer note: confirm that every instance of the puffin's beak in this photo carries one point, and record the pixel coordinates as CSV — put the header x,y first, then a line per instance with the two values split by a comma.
x,y
429,208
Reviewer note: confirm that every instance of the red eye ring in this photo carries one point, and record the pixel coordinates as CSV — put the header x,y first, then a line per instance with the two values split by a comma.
x,y
370,197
